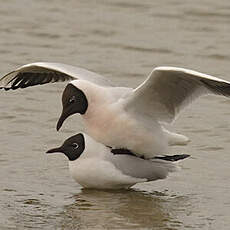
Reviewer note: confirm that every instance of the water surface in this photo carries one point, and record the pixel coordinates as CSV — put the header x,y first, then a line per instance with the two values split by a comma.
x,y
122,40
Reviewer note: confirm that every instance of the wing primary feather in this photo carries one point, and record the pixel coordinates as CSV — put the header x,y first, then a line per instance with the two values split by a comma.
x,y
40,73
27,79
216,87
18,78
24,82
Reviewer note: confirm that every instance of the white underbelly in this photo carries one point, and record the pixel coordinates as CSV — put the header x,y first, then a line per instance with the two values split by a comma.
x,y
97,173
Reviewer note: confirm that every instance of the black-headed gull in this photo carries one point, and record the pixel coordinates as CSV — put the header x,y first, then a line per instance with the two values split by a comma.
x,y
123,117
93,165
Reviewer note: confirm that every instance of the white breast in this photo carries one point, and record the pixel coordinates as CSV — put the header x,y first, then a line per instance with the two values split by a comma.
x,y
98,173
112,126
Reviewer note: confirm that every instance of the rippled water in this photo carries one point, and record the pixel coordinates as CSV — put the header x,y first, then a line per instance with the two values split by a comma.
x,y
122,40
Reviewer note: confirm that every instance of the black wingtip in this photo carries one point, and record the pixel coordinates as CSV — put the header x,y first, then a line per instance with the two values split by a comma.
x,y
27,79
4,88
217,87
173,158
122,151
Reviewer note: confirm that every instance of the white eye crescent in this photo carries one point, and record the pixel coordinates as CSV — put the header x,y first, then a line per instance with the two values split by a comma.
x,y
72,99
75,145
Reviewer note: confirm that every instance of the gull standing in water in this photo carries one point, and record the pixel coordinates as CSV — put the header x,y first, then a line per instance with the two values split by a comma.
x,y
94,165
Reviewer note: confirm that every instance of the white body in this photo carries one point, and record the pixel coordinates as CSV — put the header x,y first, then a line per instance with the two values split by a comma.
x,y
101,174
112,126
93,169
108,122
98,168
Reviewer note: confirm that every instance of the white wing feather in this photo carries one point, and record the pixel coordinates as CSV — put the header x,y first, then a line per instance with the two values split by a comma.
x,y
44,72
168,90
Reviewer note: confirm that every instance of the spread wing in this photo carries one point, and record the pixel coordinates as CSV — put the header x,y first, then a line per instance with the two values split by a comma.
x,y
40,73
168,90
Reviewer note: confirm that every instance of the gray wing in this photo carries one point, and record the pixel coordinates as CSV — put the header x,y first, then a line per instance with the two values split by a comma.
x,y
145,169
40,73
168,90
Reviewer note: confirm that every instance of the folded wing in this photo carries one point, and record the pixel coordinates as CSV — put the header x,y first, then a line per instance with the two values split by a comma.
x,y
150,170
168,90
40,73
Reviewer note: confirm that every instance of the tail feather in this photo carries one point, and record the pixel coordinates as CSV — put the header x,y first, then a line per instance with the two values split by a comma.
x,y
175,138
168,164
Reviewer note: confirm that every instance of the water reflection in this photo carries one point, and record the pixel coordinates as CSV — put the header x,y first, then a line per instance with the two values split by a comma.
x,y
117,210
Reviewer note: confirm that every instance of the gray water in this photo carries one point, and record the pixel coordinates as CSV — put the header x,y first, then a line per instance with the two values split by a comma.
x,y
124,41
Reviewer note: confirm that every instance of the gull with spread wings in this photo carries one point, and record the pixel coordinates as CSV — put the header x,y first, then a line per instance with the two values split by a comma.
x,y
121,117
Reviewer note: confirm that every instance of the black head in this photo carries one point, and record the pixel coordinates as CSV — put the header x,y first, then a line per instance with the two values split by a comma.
x,y
73,147
73,101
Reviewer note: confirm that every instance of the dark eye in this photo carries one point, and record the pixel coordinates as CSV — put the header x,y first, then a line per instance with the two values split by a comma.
x,y
72,99
75,145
